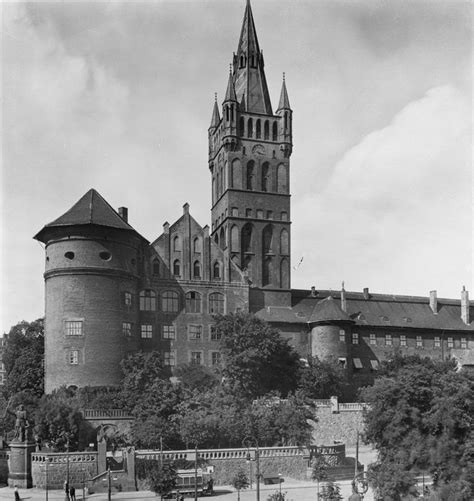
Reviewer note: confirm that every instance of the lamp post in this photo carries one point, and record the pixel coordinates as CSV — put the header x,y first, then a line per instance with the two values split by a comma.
x,y
279,481
109,480
246,442
47,493
195,472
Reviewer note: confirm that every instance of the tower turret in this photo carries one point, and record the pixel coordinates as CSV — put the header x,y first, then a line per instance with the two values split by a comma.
x,y
229,115
286,125
94,262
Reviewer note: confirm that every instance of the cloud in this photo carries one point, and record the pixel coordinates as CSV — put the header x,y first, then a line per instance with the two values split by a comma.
x,y
403,192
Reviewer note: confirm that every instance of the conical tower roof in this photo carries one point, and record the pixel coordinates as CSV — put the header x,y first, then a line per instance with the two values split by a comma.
x,y
90,209
328,310
249,77
230,92
216,118
284,103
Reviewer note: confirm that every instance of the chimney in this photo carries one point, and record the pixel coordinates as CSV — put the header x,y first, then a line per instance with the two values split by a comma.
x,y
123,213
166,227
186,208
434,302
343,298
465,306
366,293
313,291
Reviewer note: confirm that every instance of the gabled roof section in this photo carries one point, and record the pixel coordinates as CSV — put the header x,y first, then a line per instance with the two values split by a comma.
x,y
249,77
284,103
91,209
328,310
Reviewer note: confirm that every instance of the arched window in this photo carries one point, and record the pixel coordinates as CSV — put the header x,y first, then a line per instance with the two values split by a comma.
x,y
216,270
250,175
249,127
242,126
216,238
147,300
282,179
266,130
274,131
216,303
197,269
247,264
267,239
222,239
218,185
214,196
247,243
156,267
266,180
221,187
284,274
197,248
176,243
170,301
227,113
176,268
234,239
286,120
258,129
231,112
242,61
236,174
284,242
267,270
224,177
193,302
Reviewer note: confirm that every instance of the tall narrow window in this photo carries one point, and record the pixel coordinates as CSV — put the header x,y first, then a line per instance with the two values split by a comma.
x,y
274,131
342,335
234,239
372,338
437,342
197,269
177,243
388,340
236,178
127,329
284,242
127,298
193,302
450,342
247,238
215,357
176,268
250,175
73,357
216,303
266,181
403,340
156,267
216,270
267,270
285,274
267,239
170,358
250,128
147,300
266,131
282,179
242,126
419,342
464,343
170,301
197,248
258,129
355,338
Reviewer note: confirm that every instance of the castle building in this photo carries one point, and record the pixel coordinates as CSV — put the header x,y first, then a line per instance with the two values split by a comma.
x,y
110,292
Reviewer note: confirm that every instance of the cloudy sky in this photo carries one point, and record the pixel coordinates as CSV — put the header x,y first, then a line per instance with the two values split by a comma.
x,y
118,97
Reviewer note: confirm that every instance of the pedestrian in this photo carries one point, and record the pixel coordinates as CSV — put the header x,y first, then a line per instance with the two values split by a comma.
x,y
72,493
17,495
66,490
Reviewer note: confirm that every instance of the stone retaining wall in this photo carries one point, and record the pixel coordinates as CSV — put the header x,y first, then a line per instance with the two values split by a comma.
x,y
338,426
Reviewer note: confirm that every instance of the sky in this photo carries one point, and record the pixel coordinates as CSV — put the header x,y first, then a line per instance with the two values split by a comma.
x,y
118,96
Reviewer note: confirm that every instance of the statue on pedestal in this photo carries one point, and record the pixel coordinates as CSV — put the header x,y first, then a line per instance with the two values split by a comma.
x,y
21,424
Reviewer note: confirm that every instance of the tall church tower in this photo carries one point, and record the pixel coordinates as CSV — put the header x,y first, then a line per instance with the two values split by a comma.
x,y
249,159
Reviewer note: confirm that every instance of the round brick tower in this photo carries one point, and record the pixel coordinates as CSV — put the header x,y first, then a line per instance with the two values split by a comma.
x,y
93,259
330,330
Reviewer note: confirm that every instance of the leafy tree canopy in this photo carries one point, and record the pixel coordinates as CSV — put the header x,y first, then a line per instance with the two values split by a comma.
x,y
322,379
23,358
256,359
197,377
420,418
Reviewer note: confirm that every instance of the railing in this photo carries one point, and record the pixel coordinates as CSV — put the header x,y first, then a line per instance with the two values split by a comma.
x,y
105,414
222,454
352,406
322,402
64,457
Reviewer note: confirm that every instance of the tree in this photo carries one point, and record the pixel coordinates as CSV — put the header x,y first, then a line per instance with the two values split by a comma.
x,y
58,422
197,377
23,358
322,379
331,492
420,418
319,470
240,481
256,359
162,480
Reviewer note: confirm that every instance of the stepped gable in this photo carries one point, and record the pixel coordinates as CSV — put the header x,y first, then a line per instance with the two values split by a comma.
x,y
90,209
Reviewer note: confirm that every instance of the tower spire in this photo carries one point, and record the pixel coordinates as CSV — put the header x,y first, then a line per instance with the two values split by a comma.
x,y
230,92
216,118
284,103
249,76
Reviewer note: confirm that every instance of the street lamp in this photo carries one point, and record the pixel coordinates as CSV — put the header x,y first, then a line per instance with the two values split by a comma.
x,y
247,442
279,481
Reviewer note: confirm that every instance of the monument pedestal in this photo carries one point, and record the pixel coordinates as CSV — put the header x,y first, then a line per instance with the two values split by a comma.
x,y
19,464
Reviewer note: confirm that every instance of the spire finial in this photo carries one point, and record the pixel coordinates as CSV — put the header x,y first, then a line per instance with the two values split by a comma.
x,y
215,97
343,285
283,76
230,68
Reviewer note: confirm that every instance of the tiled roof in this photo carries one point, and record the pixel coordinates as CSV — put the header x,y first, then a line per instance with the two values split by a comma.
x,y
380,310
328,310
91,208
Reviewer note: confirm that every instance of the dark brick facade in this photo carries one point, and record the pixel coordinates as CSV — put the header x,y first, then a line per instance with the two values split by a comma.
x,y
110,292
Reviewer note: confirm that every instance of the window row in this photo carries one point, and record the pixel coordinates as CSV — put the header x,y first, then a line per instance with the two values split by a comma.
x,y
194,357
195,332
169,301
104,255
258,129
177,245
420,342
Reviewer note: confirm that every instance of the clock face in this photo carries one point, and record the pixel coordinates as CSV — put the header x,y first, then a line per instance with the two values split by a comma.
x,y
258,149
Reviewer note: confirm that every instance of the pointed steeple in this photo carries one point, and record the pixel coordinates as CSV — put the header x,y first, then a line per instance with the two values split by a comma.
x,y
216,118
284,103
230,92
249,77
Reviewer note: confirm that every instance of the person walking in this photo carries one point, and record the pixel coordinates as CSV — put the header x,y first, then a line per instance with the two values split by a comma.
x,y
66,490
17,494
72,493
